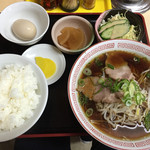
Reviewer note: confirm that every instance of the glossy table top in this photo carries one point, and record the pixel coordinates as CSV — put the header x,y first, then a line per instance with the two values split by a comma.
x,y
45,126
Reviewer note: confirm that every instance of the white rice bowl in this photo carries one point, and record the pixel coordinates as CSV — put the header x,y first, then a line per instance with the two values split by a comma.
x,y
24,97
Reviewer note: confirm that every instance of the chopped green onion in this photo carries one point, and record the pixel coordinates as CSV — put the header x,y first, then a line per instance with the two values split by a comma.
x,y
126,94
126,97
137,88
87,71
143,97
128,102
108,82
81,82
101,80
138,98
147,121
148,75
98,62
123,84
114,88
99,90
89,112
132,89
136,59
82,99
110,66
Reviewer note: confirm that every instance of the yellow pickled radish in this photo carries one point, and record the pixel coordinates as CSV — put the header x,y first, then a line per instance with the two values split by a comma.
x,y
47,66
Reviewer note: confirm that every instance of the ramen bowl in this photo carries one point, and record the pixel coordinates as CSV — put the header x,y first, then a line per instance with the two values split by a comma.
x,y
123,136
16,125
134,20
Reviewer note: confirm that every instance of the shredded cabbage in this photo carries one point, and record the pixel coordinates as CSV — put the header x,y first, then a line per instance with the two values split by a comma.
x,y
132,34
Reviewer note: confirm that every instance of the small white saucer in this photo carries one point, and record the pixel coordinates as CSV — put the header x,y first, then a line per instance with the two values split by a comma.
x,y
51,52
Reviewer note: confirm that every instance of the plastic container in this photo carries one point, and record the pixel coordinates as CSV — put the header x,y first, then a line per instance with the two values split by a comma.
x,y
69,5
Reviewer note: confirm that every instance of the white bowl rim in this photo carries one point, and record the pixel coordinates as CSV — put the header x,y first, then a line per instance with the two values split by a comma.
x,y
47,51
97,23
63,49
80,62
26,3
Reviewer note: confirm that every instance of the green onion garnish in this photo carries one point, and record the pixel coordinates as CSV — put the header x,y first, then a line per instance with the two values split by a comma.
x,y
148,75
128,103
136,59
81,82
110,66
98,62
87,72
89,112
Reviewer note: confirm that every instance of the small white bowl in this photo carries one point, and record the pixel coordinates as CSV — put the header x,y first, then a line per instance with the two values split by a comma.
x,y
24,10
76,22
51,52
42,90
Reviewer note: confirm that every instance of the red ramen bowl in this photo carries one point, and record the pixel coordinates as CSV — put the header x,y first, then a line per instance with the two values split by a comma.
x,y
122,135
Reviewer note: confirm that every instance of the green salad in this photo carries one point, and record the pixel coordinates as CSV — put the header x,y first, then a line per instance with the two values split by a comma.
x,y
117,27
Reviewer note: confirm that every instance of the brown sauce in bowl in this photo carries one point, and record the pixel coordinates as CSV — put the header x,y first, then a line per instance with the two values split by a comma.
x,y
72,38
137,68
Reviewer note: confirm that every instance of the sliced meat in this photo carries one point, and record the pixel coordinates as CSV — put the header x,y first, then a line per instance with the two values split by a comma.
x,y
123,72
106,96
94,80
97,93
121,69
89,87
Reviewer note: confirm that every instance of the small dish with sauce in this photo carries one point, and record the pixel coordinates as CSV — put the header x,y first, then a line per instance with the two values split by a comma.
x,y
72,34
51,61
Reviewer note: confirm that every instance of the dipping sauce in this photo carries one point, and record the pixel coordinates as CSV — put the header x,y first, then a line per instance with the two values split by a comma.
x,y
24,29
71,38
47,66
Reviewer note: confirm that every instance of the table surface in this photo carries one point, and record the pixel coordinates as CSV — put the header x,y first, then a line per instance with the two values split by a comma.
x,y
48,125
58,118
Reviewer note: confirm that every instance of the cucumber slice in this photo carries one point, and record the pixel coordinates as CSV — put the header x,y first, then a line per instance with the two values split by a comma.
x,y
120,30
106,35
111,23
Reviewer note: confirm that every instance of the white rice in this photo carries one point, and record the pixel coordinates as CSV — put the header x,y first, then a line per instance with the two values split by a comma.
x,y
18,97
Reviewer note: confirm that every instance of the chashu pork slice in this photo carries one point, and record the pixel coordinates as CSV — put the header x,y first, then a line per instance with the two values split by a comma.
x,y
95,92
105,96
121,69
89,86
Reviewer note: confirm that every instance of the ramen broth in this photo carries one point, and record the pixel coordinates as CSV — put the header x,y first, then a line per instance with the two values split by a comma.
x,y
136,67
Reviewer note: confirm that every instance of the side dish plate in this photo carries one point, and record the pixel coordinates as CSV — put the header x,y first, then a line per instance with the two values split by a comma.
x,y
51,52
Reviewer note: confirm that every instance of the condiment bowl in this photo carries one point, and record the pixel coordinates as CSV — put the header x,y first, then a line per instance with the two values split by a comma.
x,y
76,22
24,10
50,52
133,18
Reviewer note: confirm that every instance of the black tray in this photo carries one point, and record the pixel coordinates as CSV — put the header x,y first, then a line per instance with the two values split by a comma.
x,y
58,117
